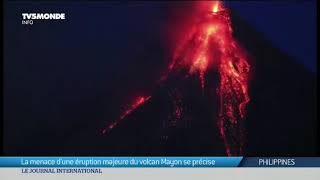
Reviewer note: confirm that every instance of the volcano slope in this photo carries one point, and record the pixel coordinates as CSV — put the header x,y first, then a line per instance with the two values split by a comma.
x,y
281,114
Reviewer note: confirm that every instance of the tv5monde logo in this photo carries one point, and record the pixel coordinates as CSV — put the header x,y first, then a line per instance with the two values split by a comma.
x,y
30,18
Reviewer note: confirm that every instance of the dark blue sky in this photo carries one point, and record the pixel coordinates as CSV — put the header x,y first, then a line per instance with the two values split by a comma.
x,y
289,25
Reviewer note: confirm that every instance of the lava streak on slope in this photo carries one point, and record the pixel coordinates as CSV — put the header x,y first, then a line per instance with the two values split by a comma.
x,y
209,45
137,103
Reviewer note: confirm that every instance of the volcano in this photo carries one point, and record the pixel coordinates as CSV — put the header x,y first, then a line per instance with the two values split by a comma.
x,y
149,82
217,99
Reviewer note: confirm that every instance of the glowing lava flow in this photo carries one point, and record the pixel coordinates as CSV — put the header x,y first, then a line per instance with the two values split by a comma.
x,y
233,90
137,103
210,45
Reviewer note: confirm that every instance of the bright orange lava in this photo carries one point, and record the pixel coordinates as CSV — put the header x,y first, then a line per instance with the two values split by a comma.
x,y
212,45
216,6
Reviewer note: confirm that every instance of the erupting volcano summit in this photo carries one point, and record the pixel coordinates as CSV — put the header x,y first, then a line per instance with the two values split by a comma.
x,y
210,46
